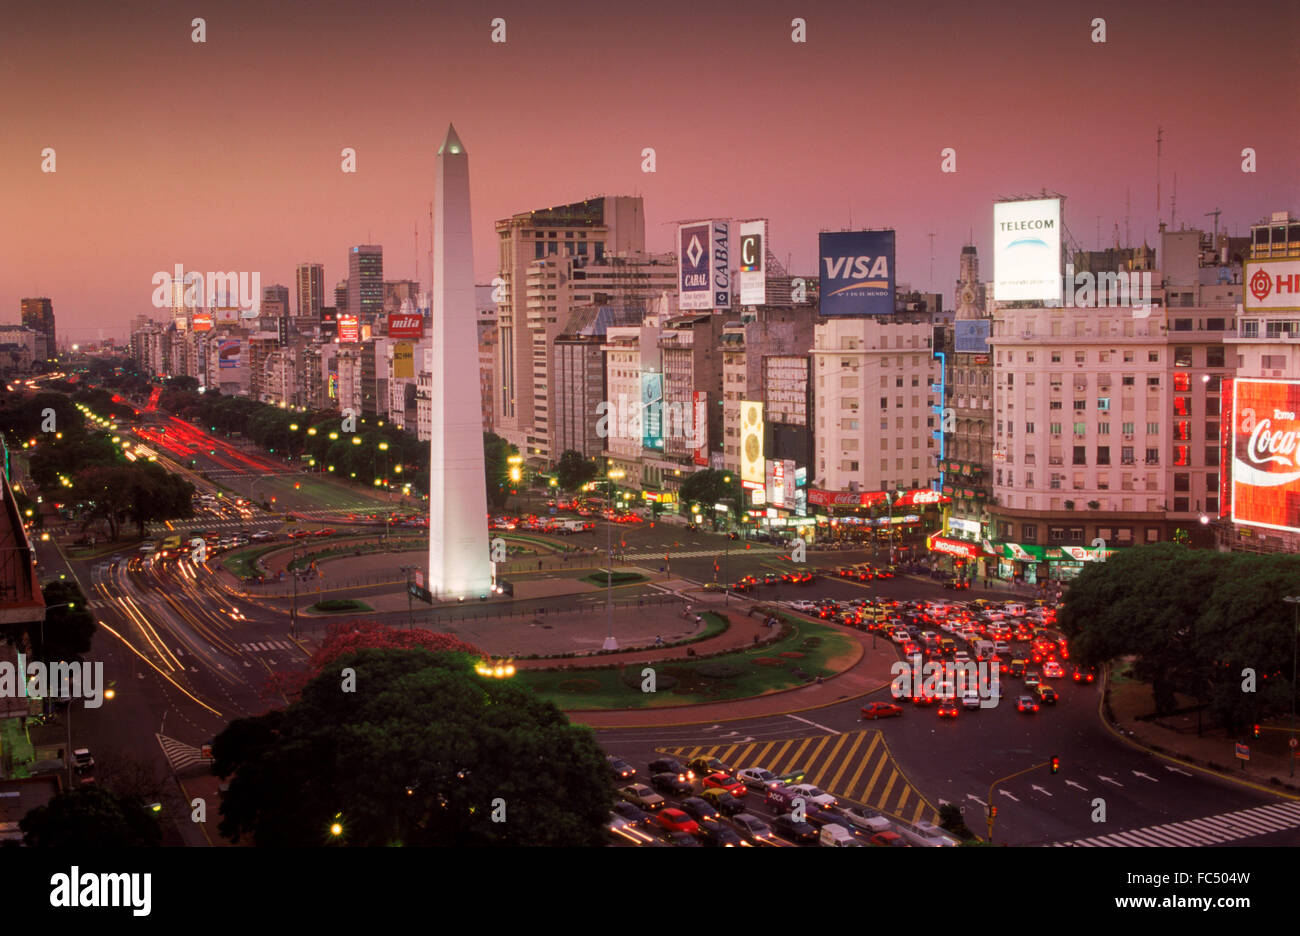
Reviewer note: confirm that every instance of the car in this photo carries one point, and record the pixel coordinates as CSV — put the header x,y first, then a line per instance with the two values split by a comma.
x,y
823,817
714,587
1001,646
753,829
630,812
627,830
1053,670
717,835
703,766
923,699
700,810
756,778
620,768
672,784
1047,694
671,765
1016,668
874,710
970,700
910,648
1031,679
948,709
638,794
861,818
1026,704
1083,674
802,833
956,584
722,781
888,839
814,794
726,803
82,761
674,820
682,839
794,776
805,606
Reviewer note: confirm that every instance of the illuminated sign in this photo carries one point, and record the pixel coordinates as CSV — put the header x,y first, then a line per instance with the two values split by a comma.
x,y
1266,454
404,326
228,353
701,423
652,427
202,321
751,442
403,360
1272,285
349,329
857,272
753,263
703,265
1027,250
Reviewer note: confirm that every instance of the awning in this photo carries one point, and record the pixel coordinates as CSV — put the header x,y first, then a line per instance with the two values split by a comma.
x,y
1024,553
953,547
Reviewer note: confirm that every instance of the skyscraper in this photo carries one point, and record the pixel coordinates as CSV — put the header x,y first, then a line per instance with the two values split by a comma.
x,y
366,282
276,293
311,289
458,544
341,296
38,315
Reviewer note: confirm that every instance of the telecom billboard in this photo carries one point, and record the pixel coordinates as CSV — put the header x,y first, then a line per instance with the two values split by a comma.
x,y
1027,251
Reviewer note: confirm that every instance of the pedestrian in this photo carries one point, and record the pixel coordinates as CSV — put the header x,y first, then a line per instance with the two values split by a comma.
x,y
539,565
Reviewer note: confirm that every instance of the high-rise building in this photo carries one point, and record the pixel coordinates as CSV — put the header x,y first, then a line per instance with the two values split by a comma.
x,y
529,313
366,282
311,289
38,315
968,455
278,294
459,563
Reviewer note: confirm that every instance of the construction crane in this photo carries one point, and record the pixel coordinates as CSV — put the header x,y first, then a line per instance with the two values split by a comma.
x,y
1215,214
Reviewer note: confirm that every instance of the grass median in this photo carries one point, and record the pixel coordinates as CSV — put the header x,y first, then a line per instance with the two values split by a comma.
x,y
795,660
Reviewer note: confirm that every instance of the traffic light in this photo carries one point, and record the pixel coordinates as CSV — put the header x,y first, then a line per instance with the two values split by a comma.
x,y
1254,731
993,812
1056,764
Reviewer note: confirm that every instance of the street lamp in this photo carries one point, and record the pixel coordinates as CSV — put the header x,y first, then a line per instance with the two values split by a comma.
x,y
610,643
1294,601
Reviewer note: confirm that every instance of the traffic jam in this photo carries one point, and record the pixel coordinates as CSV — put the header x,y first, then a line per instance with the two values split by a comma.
x,y
706,803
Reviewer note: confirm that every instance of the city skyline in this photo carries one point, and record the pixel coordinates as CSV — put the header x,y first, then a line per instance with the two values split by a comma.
x,y
284,201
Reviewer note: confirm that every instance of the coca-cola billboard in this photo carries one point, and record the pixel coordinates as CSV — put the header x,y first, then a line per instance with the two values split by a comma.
x,y
405,326
1266,453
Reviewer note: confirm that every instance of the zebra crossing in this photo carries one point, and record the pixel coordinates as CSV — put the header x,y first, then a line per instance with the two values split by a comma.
x,y
1212,830
855,765
266,646
179,754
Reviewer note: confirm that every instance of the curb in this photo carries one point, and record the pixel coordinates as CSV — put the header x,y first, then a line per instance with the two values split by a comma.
x,y
1205,770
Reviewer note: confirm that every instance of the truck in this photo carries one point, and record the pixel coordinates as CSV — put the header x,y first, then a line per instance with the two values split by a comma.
x,y
836,836
575,526
983,649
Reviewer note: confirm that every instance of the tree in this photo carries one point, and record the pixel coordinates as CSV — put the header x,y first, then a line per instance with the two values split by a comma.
x,y
423,753
572,470
496,451
91,818
710,487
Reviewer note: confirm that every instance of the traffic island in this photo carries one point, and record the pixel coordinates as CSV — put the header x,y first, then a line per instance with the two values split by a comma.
x,y
339,606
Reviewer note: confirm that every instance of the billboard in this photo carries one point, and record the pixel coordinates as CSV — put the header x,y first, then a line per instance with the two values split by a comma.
x,y
349,329
202,321
228,353
1272,285
701,423
1027,250
780,482
1266,453
652,411
785,389
971,337
403,359
857,272
405,326
753,263
703,265
751,442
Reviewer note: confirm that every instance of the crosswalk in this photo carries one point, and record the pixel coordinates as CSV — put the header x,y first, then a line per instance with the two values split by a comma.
x,y
856,766
265,646
179,754
1212,830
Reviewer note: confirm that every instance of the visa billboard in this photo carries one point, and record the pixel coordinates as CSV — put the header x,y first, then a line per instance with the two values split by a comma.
x,y
857,272
1266,454
753,263
703,265
1027,250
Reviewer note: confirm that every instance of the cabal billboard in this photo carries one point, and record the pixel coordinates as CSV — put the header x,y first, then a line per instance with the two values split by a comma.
x,y
1027,250
753,265
857,272
1266,453
704,265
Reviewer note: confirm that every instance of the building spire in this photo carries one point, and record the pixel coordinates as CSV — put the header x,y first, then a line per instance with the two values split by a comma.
x,y
451,143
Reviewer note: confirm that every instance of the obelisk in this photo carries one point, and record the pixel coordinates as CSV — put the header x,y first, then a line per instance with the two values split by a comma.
x,y
459,564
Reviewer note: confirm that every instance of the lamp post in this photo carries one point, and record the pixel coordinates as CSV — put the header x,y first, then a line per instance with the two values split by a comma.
x,y
610,642
1294,601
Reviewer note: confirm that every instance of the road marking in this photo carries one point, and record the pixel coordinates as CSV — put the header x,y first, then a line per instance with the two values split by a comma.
x,y
977,799
1176,770
1039,789
816,778
848,759
814,724
1076,785
893,778
1109,780
1009,796
1138,773
866,759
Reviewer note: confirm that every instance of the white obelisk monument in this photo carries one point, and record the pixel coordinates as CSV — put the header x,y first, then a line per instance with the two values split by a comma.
x,y
459,565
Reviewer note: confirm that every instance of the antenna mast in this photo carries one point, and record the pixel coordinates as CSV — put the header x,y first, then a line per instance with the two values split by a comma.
x,y
1160,136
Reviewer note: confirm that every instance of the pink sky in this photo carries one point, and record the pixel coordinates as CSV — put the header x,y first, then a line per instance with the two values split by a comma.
x,y
226,155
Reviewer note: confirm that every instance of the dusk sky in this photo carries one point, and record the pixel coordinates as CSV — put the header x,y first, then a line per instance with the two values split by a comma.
x,y
226,155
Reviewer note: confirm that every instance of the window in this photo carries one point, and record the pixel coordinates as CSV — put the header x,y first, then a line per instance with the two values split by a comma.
x,y
1080,357
1212,505
1080,404
1182,382
1056,357
1153,381
1126,455
1182,482
1153,357
1153,456
1250,328
1181,505
1211,455
1055,404
1182,356
1029,532
1127,428
898,381
1029,357
1212,406
1080,428
1128,357
1103,403
884,424
884,402
1081,455
1214,356
1127,380
1153,428
1103,454
1103,428
1029,428
1211,430
1182,430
